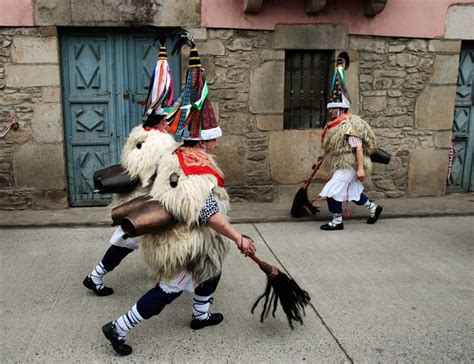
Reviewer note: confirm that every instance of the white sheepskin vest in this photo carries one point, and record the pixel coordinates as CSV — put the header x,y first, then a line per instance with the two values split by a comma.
x,y
188,244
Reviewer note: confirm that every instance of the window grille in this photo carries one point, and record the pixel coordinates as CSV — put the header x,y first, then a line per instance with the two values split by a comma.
x,y
306,84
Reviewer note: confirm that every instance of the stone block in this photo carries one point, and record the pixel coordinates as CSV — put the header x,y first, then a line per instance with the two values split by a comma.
x,y
366,45
435,107
445,69
443,139
310,36
231,155
209,68
52,12
15,99
270,122
49,200
352,81
460,22
444,46
176,13
20,136
236,123
291,154
427,172
51,31
374,104
198,33
31,75
47,123
35,50
407,60
239,44
5,166
272,55
402,121
15,200
211,47
107,12
417,45
40,167
51,94
221,33
396,48
6,181
267,86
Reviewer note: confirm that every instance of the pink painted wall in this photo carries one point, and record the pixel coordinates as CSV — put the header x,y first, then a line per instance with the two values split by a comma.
x,y
16,13
400,18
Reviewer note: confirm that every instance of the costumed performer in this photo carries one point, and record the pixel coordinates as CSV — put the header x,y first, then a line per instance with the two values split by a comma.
x,y
144,147
190,255
347,142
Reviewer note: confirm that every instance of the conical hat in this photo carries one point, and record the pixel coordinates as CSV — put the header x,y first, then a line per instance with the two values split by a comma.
x,y
339,96
160,92
195,119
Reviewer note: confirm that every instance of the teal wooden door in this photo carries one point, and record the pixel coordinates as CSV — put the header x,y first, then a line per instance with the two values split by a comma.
x,y
461,178
105,75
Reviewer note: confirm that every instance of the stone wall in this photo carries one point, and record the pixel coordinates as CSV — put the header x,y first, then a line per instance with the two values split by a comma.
x,y
407,90
32,166
404,88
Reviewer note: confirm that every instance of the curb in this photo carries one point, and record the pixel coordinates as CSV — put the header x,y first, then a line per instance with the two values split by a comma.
x,y
237,220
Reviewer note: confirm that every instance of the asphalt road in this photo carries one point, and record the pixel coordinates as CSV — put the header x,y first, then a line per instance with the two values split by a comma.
x,y
399,291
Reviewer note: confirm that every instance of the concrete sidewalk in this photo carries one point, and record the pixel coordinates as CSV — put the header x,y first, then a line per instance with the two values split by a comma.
x,y
459,204
399,291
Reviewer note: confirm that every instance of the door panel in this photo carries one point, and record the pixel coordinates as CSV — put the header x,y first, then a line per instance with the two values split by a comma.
x,y
105,75
88,107
461,176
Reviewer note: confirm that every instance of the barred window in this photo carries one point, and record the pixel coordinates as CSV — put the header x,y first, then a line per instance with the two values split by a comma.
x,y
306,85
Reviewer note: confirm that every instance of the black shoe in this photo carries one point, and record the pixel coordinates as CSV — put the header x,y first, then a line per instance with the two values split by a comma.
x,y
373,219
214,319
119,345
330,227
106,291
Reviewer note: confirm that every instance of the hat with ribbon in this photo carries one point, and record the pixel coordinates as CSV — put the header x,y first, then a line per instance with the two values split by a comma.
x,y
339,96
193,115
160,91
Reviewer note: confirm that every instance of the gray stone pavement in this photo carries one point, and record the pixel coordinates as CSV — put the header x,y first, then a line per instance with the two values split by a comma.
x,y
398,291
457,204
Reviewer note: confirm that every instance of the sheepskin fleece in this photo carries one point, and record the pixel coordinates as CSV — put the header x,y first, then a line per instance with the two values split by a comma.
x,y
142,162
338,154
187,199
199,248
188,245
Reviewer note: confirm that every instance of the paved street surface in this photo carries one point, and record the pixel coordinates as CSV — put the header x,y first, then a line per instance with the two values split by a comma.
x,y
399,291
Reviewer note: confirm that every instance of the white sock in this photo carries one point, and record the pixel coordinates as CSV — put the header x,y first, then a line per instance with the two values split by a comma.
x,y
336,220
97,274
201,306
371,206
127,321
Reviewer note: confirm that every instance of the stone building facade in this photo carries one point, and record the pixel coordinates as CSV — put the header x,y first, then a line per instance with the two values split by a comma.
x,y
404,87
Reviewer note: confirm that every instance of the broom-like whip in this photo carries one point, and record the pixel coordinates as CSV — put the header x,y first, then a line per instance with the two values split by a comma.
x,y
283,289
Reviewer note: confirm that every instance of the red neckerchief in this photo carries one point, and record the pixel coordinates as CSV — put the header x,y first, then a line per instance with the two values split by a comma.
x,y
333,123
195,161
